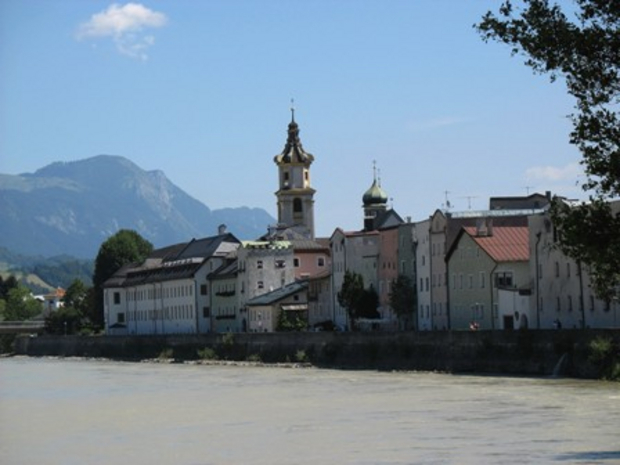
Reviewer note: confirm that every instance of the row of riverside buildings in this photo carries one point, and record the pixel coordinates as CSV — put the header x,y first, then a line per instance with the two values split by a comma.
x,y
493,269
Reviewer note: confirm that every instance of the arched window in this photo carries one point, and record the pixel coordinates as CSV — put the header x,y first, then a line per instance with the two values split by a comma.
x,y
297,206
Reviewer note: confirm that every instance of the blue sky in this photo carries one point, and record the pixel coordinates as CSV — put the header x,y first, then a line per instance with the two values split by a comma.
x,y
202,91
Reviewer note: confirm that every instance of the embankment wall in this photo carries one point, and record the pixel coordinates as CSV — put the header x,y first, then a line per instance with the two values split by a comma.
x,y
536,353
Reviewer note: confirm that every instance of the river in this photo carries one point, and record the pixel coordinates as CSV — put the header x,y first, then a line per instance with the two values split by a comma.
x,y
72,411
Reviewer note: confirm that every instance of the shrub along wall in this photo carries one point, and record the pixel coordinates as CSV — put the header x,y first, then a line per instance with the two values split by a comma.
x,y
536,353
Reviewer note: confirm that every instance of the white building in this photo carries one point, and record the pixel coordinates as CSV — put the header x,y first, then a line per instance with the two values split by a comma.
x,y
423,274
169,292
561,291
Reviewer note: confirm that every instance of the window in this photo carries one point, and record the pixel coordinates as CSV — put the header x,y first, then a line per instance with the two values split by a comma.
x,y
297,205
203,289
280,263
117,298
503,279
471,281
482,284
260,285
321,261
259,264
570,303
568,270
120,317
296,262
557,270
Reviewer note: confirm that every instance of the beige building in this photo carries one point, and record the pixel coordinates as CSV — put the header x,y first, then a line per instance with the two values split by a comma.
x,y
289,302
561,291
481,261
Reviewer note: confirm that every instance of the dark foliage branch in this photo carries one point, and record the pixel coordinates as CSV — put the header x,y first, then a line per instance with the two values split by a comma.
x,y
584,50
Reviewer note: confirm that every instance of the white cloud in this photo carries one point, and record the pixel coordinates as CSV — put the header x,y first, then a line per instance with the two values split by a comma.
x,y
125,25
570,172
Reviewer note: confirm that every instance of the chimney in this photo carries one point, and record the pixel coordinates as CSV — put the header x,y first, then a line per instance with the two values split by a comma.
x,y
221,229
484,227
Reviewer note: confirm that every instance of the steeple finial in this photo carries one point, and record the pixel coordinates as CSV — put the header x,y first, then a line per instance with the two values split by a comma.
x,y
374,170
292,110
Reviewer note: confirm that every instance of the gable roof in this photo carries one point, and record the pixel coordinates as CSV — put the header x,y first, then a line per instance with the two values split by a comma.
x,y
179,261
203,248
504,244
272,297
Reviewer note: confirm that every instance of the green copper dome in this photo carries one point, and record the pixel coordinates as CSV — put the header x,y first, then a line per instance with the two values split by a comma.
x,y
375,195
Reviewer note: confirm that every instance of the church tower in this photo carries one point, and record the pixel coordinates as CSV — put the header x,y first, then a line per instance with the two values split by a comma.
x,y
375,203
295,195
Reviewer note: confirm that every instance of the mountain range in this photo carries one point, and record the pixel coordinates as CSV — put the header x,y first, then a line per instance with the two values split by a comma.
x,y
72,207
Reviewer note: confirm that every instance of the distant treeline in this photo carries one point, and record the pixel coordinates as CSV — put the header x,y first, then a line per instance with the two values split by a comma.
x,y
59,271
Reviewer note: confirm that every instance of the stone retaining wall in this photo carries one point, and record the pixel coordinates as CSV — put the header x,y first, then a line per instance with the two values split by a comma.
x,y
536,353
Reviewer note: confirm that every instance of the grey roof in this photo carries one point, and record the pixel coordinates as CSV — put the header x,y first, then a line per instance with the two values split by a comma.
x,y
118,278
177,270
179,261
278,294
293,151
227,270
308,244
204,248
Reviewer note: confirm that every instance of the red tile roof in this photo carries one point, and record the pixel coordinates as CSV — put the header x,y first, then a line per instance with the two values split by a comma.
x,y
505,244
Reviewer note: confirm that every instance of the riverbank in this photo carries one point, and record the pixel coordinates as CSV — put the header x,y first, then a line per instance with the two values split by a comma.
x,y
531,353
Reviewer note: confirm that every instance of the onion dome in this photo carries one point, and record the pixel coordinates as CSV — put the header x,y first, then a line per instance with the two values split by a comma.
x,y
375,195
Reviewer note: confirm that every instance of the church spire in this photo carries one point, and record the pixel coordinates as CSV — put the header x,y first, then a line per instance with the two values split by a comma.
x,y
295,193
293,151
292,110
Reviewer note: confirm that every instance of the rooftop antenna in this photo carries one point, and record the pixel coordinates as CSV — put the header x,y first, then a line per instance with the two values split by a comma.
x,y
527,189
469,197
447,204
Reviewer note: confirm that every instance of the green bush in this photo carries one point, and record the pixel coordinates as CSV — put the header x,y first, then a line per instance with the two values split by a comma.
x,y
206,354
255,358
166,354
606,355
301,356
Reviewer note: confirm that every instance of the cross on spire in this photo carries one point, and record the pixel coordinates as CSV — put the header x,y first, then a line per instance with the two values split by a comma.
x,y
293,110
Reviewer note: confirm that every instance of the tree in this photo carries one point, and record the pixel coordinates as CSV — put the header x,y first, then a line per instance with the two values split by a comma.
x,y
358,301
368,303
586,53
403,299
6,285
72,317
21,305
124,247
291,321
75,295
350,294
